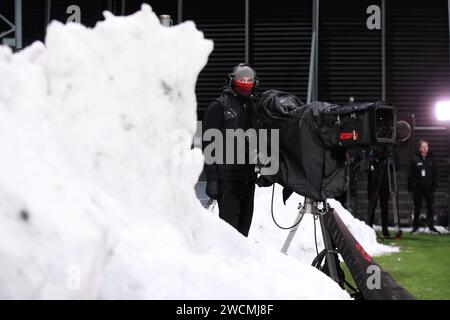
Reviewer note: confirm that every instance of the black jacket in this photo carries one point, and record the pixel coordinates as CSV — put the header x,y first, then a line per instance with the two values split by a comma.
x,y
422,174
229,111
306,166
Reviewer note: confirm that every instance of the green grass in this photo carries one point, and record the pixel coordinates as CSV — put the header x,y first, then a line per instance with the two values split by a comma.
x,y
422,266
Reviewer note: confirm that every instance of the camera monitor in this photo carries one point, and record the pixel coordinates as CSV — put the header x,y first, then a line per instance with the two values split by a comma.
x,y
385,124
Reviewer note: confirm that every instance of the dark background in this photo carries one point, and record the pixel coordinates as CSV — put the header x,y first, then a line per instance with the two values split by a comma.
x,y
350,60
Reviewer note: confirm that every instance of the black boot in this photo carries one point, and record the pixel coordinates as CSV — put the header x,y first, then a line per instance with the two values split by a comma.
x,y
433,230
386,234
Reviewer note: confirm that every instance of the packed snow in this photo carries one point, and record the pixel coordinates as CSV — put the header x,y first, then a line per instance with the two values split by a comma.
x,y
93,204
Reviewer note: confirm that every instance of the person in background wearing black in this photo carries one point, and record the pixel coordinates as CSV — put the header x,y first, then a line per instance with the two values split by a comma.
x,y
352,164
378,187
233,185
422,183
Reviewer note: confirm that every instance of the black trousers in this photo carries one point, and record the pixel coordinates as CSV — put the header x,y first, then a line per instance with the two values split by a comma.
x,y
383,197
236,205
418,194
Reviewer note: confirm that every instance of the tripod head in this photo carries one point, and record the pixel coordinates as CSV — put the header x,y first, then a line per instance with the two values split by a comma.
x,y
319,209
314,207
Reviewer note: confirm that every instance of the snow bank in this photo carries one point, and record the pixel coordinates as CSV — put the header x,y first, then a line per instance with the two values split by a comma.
x,y
92,204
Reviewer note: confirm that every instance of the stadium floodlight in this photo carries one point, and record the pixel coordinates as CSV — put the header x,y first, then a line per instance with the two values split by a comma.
x,y
443,110
443,114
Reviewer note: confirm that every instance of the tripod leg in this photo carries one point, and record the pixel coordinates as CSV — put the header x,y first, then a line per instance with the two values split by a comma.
x,y
331,257
392,178
293,231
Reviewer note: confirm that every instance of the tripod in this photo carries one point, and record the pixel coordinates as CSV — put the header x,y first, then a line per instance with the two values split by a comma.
x,y
387,166
337,238
318,209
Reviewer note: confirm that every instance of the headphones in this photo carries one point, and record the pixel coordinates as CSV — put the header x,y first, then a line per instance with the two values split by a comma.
x,y
231,77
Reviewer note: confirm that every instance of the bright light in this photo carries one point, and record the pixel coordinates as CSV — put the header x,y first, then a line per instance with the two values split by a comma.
x,y
443,110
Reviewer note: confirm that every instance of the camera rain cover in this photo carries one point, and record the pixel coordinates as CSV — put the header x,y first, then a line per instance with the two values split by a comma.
x,y
306,166
314,139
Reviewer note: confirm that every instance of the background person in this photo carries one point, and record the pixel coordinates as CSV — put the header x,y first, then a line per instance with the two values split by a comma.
x,y
422,183
378,187
233,185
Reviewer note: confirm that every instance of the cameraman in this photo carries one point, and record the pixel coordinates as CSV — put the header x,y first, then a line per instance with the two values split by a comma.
x,y
378,187
232,185
422,183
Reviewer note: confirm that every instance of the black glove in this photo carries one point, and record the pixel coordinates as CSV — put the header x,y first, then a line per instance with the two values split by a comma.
x,y
213,189
263,181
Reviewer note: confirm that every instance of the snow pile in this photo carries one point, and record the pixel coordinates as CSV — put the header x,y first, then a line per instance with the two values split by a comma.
x,y
92,204
264,230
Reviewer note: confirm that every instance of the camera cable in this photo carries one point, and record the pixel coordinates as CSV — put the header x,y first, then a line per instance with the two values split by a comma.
x,y
273,216
315,235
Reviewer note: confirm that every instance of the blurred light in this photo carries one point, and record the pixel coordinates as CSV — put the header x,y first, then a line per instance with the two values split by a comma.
x,y
443,110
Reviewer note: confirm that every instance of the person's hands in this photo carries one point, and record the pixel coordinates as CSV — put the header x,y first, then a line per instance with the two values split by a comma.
x,y
262,182
213,189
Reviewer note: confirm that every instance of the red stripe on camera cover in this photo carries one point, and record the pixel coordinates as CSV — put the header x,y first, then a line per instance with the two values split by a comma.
x,y
363,252
348,136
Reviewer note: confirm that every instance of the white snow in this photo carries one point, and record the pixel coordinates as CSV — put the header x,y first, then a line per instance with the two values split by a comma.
x,y
92,203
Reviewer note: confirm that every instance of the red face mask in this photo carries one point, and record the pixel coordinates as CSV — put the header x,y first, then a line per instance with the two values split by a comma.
x,y
243,88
